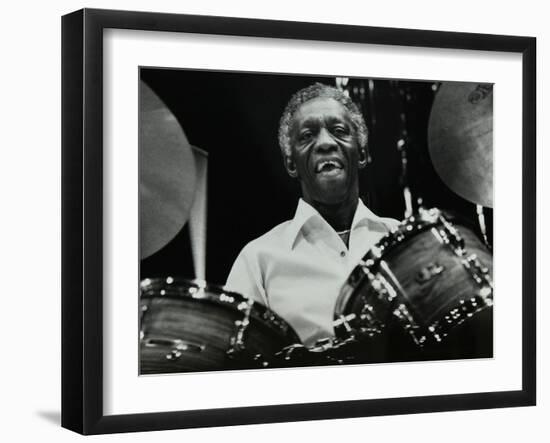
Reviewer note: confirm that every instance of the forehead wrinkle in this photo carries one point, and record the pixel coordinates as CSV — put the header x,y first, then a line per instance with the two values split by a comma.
x,y
312,120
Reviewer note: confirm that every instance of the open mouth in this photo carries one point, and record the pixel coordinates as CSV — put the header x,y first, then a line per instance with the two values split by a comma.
x,y
328,166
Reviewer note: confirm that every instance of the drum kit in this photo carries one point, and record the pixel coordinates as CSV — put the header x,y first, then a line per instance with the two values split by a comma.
x,y
423,292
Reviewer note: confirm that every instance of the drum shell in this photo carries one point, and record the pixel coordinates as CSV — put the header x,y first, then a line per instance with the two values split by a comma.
x,y
207,332
430,280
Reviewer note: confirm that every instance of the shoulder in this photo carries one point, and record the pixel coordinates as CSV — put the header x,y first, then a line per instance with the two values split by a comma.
x,y
273,238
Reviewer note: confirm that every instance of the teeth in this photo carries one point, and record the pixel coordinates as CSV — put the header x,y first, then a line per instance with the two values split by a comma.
x,y
321,165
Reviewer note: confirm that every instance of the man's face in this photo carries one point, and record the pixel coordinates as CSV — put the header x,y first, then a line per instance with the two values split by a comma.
x,y
325,151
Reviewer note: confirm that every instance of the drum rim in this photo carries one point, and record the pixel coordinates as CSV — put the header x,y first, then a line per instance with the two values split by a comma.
x,y
212,293
415,224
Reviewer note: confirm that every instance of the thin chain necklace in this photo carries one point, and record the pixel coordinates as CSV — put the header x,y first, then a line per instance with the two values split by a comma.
x,y
347,231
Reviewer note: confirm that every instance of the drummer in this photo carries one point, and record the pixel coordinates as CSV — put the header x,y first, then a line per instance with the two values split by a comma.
x,y
299,266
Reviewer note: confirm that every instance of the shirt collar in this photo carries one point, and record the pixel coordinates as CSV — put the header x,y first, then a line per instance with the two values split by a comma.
x,y
305,212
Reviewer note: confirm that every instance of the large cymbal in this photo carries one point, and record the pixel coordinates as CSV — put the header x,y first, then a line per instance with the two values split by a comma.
x,y
460,139
166,174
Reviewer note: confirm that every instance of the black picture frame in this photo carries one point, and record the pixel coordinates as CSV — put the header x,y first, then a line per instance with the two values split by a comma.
x,y
82,218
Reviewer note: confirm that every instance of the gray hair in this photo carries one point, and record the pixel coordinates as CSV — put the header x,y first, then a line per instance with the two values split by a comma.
x,y
315,91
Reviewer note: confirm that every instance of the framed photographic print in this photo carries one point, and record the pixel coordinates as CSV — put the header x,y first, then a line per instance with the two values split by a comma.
x,y
271,221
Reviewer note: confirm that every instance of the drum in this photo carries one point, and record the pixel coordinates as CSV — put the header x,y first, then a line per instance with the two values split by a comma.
x,y
424,291
193,326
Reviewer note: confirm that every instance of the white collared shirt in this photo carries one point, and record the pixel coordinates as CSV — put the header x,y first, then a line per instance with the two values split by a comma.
x,y
298,268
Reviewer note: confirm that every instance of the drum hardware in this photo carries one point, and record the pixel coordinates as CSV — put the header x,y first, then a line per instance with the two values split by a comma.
x,y
403,145
450,236
479,273
326,351
294,353
354,326
428,272
371,324
383,289
367,324
456,316
387,292
482,224
143,309
402,313
237,346
409,325
344,321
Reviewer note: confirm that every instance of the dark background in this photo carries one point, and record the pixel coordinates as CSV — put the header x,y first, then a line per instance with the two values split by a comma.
x,y
235,116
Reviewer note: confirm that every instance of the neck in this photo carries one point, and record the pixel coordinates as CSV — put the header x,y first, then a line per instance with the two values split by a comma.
x,y
338,215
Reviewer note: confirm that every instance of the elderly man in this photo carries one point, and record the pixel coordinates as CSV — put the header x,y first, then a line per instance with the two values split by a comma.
x,y
298,268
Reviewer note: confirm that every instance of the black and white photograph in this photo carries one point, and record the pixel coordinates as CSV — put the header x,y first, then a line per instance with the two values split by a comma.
x,y
303,220
275,221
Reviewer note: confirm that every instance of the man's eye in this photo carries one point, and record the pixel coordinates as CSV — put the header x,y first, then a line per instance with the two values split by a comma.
x,y
340,131
305,136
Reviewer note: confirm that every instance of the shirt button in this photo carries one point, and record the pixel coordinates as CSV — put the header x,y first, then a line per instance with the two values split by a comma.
x,y
343,254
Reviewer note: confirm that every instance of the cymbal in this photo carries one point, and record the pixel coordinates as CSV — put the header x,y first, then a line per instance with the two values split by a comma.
x,y
460,139
167,174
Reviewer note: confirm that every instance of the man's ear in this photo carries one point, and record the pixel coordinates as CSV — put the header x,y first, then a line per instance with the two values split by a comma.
x,y
363,158
290,166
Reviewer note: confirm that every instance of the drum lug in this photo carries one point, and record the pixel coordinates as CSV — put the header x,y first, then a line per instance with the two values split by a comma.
x,y
458,314
237,345
143,308
479,273
409,324
450,236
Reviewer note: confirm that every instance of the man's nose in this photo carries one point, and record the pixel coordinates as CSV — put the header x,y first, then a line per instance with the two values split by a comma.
x,y
325,141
